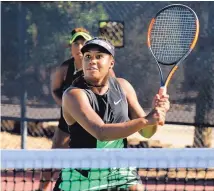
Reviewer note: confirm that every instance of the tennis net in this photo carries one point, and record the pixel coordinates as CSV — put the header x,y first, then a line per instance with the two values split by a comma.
x,y
158,169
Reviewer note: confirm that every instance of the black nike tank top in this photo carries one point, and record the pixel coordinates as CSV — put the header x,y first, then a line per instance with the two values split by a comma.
x,y
112,107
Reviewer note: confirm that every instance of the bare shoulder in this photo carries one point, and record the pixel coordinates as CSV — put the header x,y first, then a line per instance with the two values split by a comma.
x,y
126,86
123,82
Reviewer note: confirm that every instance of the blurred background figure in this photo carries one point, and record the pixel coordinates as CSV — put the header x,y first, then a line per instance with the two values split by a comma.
x,y
63,77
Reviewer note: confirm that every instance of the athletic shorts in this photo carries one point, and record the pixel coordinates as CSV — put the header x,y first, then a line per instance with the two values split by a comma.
x,y
96,179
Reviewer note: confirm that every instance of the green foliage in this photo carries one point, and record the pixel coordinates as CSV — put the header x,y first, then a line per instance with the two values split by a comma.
x,y
45,28
35,38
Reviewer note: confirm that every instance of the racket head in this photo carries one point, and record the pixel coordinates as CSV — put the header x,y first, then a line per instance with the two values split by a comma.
x,y
173,34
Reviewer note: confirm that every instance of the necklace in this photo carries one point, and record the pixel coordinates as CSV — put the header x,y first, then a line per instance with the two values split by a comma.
x,y
92,85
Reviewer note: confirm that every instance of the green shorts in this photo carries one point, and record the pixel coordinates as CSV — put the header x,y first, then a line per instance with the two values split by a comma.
x,y
96,179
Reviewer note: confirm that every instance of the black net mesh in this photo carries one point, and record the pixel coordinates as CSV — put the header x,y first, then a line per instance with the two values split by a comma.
x,y
153,179
166,171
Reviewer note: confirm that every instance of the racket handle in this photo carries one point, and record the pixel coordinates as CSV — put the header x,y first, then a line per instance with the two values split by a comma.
x,y
162,91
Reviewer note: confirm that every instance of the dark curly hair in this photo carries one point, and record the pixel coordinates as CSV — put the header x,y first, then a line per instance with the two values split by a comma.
x,y
80,29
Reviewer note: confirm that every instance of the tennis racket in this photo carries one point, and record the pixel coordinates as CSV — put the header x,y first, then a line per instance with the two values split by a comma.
x,y
172,35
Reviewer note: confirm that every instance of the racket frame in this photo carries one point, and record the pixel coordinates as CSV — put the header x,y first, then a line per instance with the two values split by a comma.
x,y
176,63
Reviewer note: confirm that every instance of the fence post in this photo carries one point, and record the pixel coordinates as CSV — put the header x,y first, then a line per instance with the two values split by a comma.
x,y
23,121
22,35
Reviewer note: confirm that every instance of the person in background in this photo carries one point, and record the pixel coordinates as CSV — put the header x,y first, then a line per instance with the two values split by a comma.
x,y
101,112
63,77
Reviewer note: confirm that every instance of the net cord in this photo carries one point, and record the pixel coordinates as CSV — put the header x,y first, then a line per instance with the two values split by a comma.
x,y
109,158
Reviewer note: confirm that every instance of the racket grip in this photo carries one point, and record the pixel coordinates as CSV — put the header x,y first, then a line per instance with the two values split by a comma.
x,y
162,91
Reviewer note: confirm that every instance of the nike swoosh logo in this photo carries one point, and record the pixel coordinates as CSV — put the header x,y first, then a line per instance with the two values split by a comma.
x,y
116,102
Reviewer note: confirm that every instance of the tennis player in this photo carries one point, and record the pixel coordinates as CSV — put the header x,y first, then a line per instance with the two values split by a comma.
x,y
61,79
96,109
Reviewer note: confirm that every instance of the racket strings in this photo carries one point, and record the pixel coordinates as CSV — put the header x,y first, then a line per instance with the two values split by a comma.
x,y
172,34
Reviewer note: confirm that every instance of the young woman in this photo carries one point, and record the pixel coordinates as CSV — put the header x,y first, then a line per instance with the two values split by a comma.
x,y
62,78
97,109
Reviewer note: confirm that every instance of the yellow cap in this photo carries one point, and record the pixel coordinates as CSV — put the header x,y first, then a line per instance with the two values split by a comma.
x,y
86,36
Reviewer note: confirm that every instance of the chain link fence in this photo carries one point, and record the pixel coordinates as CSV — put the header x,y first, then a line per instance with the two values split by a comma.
x,y
34,41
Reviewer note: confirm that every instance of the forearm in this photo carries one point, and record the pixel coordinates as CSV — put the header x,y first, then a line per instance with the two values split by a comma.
x,y
115,131
76,107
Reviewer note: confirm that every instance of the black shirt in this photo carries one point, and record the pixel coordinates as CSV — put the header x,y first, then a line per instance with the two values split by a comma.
x,y
70,77
112,107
